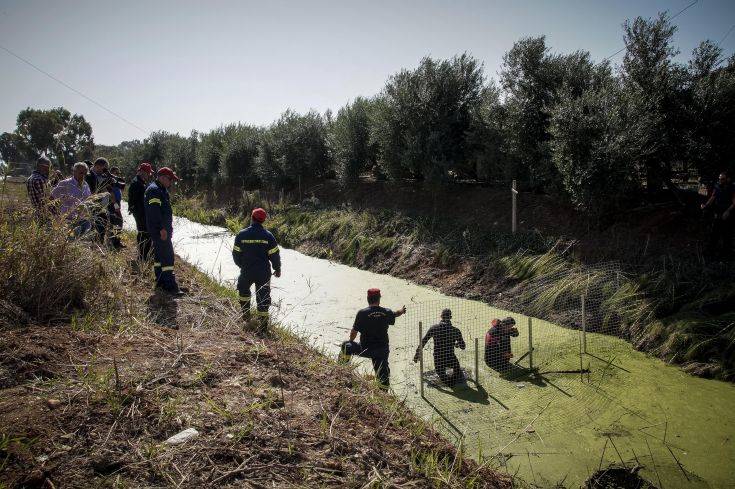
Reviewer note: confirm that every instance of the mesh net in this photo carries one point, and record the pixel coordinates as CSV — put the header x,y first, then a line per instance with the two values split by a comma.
x,y
500,379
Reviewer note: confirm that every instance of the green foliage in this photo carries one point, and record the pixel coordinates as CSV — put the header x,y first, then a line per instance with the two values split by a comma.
x,y
350,141
54,132
294,146
556,122
589,148
238,153
422,116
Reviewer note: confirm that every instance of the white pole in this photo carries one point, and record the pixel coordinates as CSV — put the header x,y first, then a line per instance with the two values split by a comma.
x,y
584,325
514,192
477,363
421,361
530,343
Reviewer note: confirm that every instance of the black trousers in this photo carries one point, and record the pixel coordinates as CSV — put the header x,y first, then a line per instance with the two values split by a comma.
x,y
163,267
442,363
144,241
379,357
721,234
262,293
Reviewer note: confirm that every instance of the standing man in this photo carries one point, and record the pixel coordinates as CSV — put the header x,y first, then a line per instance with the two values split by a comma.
x,y
255,251
159,222
97,180
38,187
71,194
722,202
136,207
372,323
446,338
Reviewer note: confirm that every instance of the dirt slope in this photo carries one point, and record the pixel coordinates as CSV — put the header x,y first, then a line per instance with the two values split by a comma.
x,y
91,403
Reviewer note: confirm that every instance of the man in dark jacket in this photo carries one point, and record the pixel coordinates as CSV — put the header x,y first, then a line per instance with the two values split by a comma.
x,y
372,323
159,222
722,204
99,182
446,338
255,251
136,207
497,343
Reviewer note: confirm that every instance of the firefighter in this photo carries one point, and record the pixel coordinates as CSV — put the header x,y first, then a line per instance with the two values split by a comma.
x,y
255,251
446,339
159,222
372,323
136,207
497,343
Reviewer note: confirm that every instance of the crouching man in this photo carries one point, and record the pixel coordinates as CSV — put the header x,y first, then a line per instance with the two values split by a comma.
x,y
497,344
446,339
372,323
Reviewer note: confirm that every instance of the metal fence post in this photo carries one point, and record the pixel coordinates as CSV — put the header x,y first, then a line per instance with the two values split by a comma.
x,y
421,360
530,343
584,324
477,363
513,192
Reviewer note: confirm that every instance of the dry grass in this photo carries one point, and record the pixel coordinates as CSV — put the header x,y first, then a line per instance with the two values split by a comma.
x,y
90,403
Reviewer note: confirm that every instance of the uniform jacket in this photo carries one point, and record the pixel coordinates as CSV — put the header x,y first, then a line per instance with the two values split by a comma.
x,y
255,250
136,202
158,213
446,338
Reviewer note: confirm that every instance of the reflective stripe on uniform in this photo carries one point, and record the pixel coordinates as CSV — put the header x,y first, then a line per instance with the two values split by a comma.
x,y
157,264
167,269
264,314
273,250
254,241
245,298
154,201
236,248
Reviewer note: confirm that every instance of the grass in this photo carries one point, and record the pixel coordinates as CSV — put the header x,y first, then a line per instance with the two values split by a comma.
x,y
125,389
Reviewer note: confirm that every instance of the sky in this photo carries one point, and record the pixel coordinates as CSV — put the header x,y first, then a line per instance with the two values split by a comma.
x,y
185,65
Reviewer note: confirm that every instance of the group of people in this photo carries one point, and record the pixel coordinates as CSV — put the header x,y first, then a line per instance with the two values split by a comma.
x,y
372,324
90,202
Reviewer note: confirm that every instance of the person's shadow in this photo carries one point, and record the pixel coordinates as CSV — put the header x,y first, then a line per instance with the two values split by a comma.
x,y
462,390
163,309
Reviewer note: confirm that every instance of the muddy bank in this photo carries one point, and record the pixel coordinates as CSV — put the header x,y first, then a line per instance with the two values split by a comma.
x,y
92,403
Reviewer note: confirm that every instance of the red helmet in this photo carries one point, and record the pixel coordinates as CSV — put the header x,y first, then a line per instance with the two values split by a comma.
x,y
146,168
167,172
259,215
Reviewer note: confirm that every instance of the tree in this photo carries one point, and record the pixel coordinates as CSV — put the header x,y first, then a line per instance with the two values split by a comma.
x,y
239,152
590,150
654,93
350,142
294,146
485,138
423,115
208,155
711,110
54,132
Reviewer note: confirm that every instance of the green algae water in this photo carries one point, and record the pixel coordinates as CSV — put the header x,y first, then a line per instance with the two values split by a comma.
x,y
559,426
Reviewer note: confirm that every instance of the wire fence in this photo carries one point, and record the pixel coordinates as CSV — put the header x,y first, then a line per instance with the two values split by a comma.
x,y
502,378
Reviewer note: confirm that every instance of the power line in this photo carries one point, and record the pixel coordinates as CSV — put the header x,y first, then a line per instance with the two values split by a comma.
x,y
725,36
73,89
672,18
